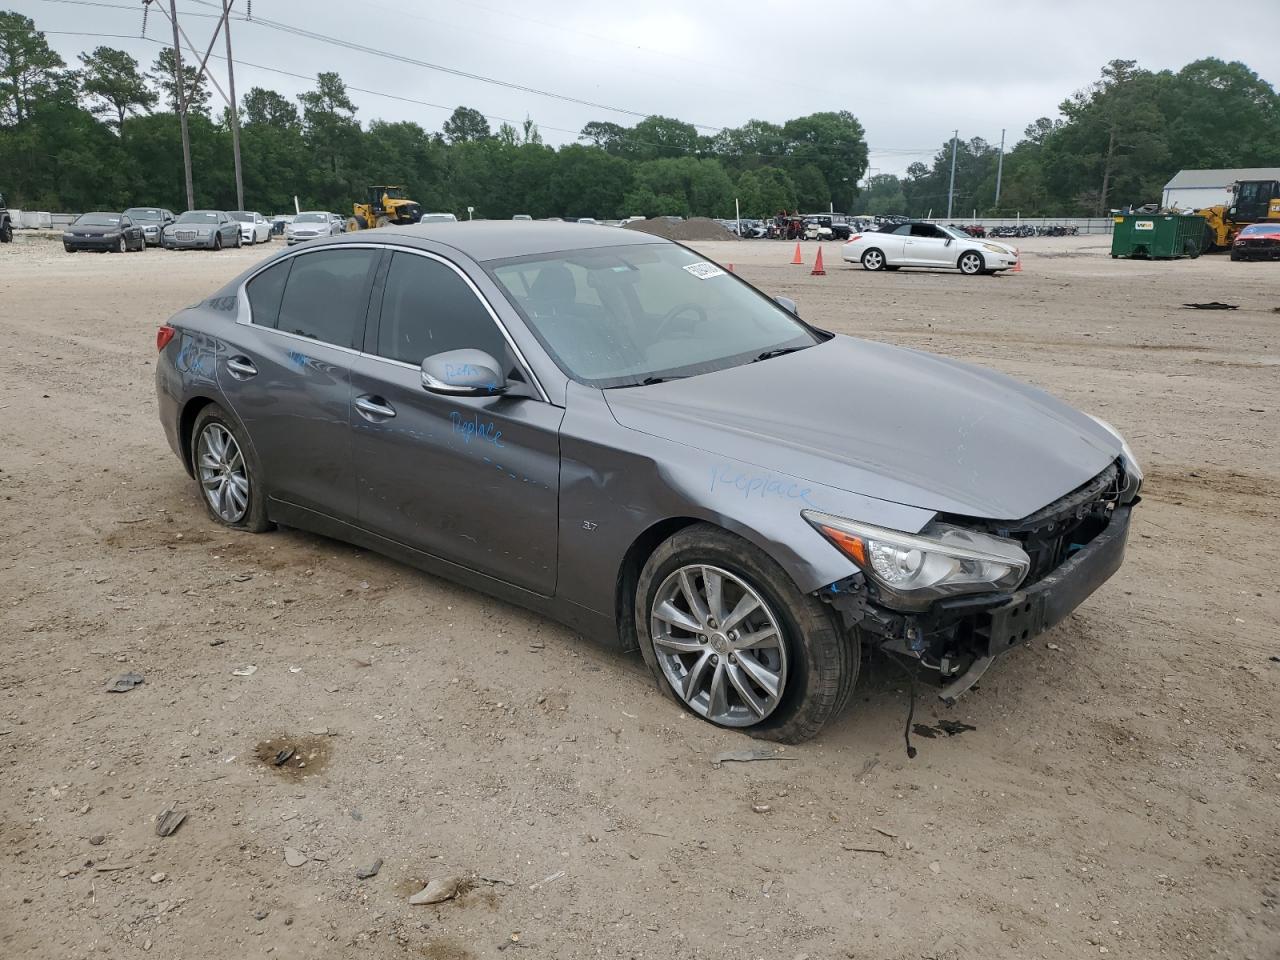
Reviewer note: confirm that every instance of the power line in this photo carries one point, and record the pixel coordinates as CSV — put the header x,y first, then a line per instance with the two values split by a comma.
x,y
885,151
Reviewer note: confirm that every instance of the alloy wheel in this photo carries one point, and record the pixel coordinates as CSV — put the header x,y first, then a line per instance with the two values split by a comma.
x,y
970,263
223,476
719,645
873,260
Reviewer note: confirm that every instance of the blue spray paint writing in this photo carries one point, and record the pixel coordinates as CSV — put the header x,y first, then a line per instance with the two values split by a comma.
x,y
761,485
452,370
192,359
476,428
299,360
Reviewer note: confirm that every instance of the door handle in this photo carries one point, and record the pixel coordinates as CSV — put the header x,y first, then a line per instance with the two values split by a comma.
x,y
374,409
241,368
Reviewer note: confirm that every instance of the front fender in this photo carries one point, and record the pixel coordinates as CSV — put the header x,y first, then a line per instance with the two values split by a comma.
x,y
617,483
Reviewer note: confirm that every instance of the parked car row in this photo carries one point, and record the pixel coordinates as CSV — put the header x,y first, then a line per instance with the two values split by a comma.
x,y
140,227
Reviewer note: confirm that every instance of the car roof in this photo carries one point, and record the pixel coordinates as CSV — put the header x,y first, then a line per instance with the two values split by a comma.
x,y
501,239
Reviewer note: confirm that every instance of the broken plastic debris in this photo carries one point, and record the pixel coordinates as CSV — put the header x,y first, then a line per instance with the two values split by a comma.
x,y
169,821
248,670
125,682
437,891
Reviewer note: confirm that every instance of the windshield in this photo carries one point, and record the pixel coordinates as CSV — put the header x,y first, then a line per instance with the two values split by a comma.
x,y
393,193
438,218
241,215
953,232
627,315
311,218
199,216
98,220
144,213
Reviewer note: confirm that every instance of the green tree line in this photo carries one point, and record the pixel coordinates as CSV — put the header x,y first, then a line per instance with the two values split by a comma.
x,y
104,133
1117,142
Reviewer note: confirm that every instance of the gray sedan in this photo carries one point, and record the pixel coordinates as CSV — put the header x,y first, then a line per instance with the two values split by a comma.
x,y
607,428
203,229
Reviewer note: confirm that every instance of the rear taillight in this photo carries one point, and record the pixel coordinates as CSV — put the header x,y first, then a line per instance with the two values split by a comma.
x,y
856,236
163,336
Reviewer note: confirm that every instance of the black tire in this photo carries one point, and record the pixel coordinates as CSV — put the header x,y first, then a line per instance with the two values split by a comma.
x,y
1235,256
823,660
68,248
873,259
1191,249
217,241
122,245
255,516
6,232
239,239
971,263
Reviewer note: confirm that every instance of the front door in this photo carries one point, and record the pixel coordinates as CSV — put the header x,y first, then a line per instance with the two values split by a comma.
x,y
472,480
926,247
287,373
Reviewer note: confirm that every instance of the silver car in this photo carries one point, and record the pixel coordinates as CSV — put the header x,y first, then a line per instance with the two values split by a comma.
x,y
311,225
152,220
201,229
608,428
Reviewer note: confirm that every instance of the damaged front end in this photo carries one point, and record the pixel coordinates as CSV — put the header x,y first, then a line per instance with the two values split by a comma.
x,y
966,590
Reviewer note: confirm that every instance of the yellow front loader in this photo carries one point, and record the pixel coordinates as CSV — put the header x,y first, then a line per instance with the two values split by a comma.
x,y
384,206
1252,201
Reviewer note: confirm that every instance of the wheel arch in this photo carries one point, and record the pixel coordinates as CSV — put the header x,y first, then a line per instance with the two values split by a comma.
x,y
186,422
633,561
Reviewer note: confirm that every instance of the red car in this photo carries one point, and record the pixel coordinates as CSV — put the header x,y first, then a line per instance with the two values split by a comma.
x,y
1258,241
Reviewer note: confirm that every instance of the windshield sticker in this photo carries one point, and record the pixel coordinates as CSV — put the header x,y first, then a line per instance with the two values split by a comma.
x,y
704,270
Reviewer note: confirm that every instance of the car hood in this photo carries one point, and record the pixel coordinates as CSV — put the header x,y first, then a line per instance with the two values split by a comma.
x,y
885,422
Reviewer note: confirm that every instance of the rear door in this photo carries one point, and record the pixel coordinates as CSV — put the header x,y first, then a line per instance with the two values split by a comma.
x,y
473,480
287,372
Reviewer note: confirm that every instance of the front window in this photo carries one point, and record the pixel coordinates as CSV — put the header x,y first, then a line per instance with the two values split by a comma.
x,y
199,216
393,193
629,315
98,220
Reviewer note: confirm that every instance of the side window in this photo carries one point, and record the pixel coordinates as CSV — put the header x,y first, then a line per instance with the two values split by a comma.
x,y
923,230
428,309
264,292
327,295
903,231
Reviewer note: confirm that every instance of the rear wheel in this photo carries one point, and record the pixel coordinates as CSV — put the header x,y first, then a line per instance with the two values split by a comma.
x,y
729,637
227,471
873,259
971,263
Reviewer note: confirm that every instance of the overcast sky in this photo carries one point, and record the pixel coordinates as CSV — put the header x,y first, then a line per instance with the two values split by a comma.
x,y
910,70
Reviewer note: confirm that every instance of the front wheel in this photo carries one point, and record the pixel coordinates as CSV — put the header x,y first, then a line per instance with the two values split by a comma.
x,y
873,259
227,472
121,246
971,263
217,241
729,637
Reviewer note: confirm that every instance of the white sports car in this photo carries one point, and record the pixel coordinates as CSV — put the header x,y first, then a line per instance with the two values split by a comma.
x,y
928,245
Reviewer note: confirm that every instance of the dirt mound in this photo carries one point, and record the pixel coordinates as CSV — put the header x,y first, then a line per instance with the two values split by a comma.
x,y
699,228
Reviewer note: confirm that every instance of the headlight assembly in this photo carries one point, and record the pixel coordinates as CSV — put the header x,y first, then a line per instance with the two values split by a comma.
x,y
912,570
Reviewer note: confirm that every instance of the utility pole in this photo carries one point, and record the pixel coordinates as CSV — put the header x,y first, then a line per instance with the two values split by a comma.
x,y
999,170
235,110
951,191
181,105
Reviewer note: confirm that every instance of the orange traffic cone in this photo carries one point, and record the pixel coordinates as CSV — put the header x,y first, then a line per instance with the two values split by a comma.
x,y
1017,266
797,258
817,270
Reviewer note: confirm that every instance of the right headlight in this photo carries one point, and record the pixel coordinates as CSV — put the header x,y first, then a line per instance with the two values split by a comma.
x,y
912,570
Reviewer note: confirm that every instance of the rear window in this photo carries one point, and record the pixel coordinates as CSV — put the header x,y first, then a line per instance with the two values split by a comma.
x,y
265,291
327,295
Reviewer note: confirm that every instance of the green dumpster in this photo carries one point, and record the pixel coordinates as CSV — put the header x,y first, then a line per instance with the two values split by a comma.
x,y
1157,236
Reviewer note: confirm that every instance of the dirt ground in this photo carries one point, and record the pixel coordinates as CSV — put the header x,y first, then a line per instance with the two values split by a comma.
x,y
1119,793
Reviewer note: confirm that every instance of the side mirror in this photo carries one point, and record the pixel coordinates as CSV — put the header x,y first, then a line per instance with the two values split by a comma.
x,y
468,373
787,304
